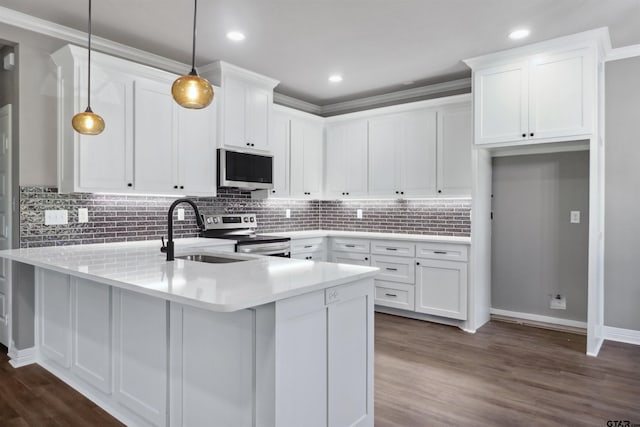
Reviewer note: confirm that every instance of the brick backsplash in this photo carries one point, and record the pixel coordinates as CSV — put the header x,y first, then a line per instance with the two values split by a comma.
x,y
127,218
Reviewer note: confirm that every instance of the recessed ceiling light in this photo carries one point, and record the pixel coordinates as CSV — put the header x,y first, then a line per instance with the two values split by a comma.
x,y
519,34
236,36
335,78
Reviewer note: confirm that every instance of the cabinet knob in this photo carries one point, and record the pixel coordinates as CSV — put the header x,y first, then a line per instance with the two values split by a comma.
x,y
175,186
253,145
397,192
248,145
366,258
531,134
439,191
417,263
182,187
273,191
130,184
524,135
402,192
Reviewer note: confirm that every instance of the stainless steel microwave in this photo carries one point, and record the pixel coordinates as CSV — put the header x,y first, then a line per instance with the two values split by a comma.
x,y
248,171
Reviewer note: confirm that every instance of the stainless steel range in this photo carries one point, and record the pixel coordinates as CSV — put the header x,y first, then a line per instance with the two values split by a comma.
x,y
241,228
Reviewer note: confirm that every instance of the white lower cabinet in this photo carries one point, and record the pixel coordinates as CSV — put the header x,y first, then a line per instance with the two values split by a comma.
x,y
396,295
312,249
54,327
441,288
91,331
140,354
350,258
395,269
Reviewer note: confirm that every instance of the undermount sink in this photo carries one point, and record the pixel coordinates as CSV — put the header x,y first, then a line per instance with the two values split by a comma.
x,y
211,259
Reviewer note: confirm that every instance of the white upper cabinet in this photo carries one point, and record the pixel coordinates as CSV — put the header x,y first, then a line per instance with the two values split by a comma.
x,y
455,130
149,145
175,147
543,96
245,104
280,142
402,154
346,159
306,158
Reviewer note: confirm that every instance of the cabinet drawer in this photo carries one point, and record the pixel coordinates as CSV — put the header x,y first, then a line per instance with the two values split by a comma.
x,y
446,251
349,258
394,269
350,245
395,248
307,245
396,295
310,256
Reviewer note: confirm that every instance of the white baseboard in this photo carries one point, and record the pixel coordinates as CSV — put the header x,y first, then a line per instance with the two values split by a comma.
x,y
596,349
628,336
20,358
539,318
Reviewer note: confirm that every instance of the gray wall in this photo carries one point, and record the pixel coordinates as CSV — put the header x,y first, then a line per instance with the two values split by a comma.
x,y
536,251
622,195
37,104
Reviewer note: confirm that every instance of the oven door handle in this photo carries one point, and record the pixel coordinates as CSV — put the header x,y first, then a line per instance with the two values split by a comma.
x,y
266,248
280,253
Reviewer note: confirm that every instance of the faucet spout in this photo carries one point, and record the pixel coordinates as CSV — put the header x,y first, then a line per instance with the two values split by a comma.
x,y
169,248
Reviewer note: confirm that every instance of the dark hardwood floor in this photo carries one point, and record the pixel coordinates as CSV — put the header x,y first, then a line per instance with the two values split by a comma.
x,y
426,375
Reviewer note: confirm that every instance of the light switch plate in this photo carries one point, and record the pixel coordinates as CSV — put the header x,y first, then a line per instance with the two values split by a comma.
x,y
83,215
359,213
180,214
575,217
287,213
56,217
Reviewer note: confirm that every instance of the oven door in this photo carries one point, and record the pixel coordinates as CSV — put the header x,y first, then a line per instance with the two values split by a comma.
x,y
281,249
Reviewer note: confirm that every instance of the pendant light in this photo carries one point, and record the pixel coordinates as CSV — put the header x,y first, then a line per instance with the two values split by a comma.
x,y
192,91
87,122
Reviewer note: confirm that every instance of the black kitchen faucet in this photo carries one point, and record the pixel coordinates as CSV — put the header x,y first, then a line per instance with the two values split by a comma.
x,y
169,247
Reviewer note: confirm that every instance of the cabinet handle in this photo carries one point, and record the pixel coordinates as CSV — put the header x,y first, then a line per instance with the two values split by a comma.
x,y
440,252
391,269
308,246
392,295
531,134
130,184
392,249
349,246
524,135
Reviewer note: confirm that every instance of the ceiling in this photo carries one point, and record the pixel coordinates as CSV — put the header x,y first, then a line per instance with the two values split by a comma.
x,y
377,45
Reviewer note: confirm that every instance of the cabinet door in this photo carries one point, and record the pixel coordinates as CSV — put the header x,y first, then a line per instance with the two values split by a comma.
x,y
418,151
280,146
501,103
384,136
296,159
561,94
140,354
55,316
336,161
197,151
234,113
306,158
105,161
155,137
258,116
355,156
91,329
454,150
441,288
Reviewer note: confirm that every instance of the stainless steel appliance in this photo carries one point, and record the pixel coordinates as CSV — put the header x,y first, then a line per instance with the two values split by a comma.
x,y
248,171
241,228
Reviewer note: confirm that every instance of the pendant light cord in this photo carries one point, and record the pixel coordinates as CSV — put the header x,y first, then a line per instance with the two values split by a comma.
x,y
89,64
193,51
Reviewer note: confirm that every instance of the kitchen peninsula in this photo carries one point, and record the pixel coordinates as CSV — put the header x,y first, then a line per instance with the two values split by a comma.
x,y
246,341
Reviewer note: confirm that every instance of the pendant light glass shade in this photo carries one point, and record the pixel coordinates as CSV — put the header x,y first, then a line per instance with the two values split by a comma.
x,y
191,90
87,122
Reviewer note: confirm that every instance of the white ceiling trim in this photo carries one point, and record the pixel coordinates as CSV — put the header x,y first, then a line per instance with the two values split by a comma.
x,y
623,53
297,104
51,29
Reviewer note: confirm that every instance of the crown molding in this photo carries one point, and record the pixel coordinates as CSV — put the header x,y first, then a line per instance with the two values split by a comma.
x,y
296,104
371,102
51,29
623,53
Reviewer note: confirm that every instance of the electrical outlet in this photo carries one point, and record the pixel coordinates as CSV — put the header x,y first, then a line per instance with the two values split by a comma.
x,y
558,302
359,213
575,217
180,214
56,217
287,213
83,215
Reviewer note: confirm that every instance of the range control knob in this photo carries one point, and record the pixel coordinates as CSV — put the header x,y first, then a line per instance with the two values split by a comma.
x,y
215,220
209,220
246,219
252,219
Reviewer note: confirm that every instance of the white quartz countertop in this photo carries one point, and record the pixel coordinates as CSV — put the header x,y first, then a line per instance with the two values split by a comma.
x,y
368,235
141,267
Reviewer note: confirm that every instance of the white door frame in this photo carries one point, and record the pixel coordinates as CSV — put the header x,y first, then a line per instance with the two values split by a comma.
x,y
6,110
